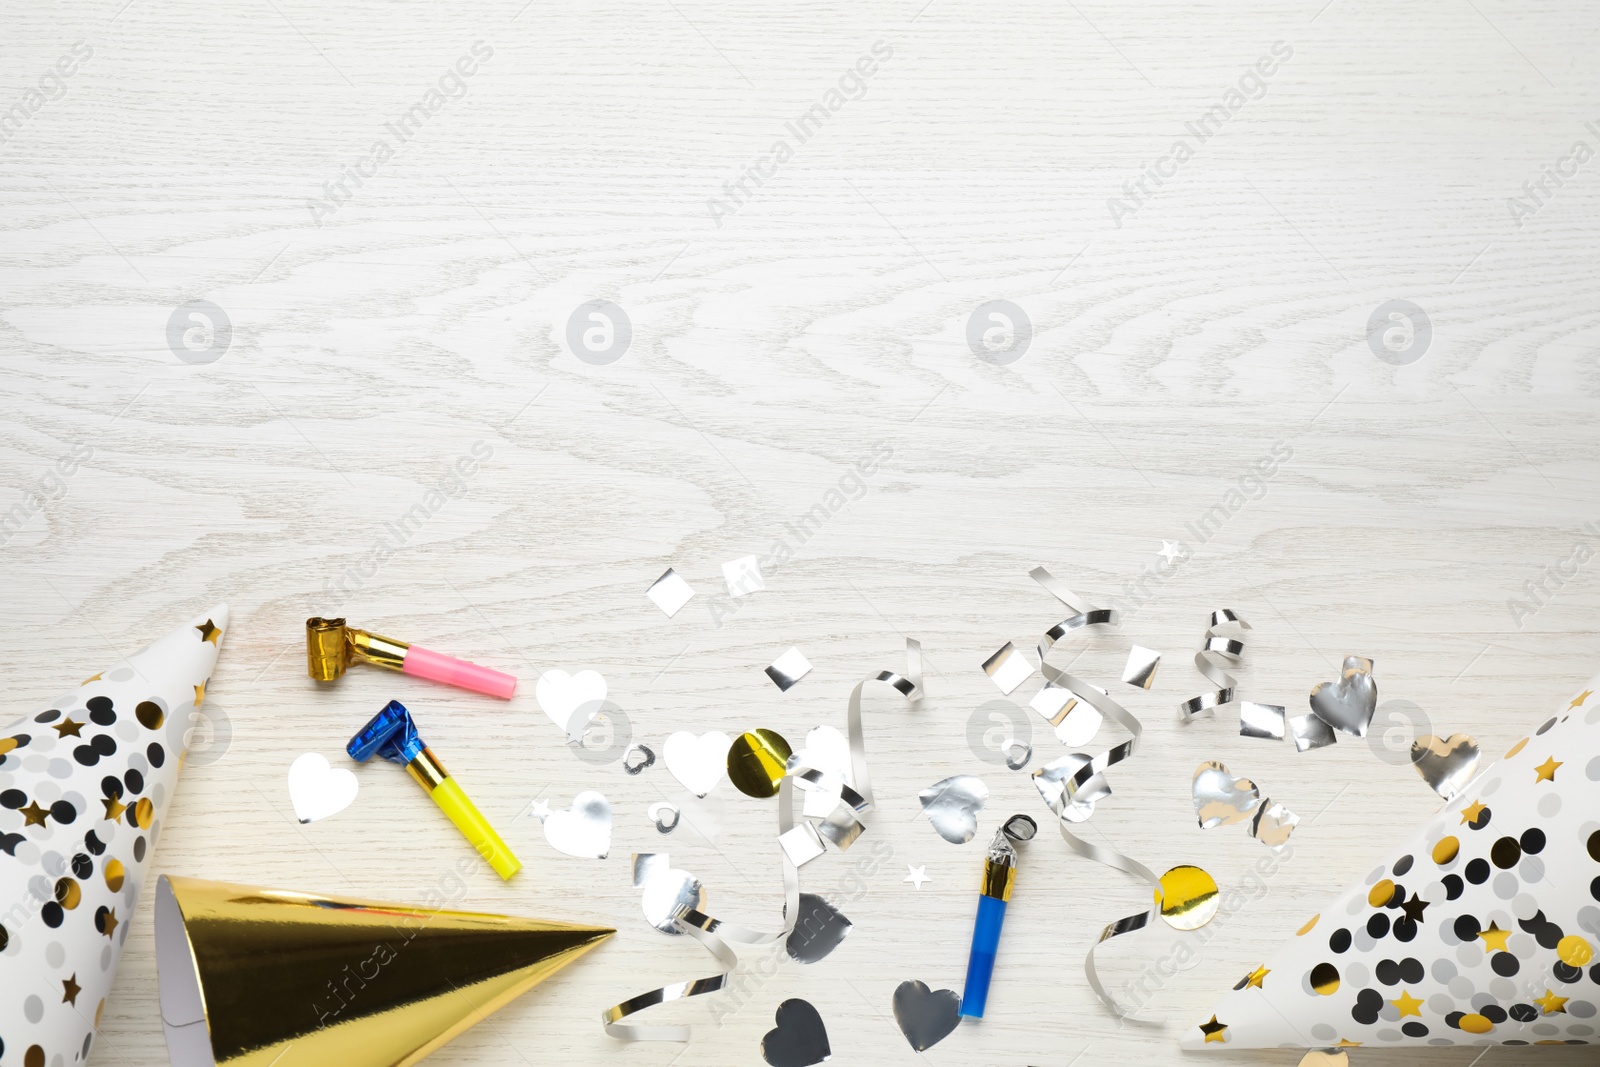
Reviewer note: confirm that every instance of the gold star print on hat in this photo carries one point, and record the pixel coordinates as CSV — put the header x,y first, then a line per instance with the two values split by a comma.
x,y
1482,929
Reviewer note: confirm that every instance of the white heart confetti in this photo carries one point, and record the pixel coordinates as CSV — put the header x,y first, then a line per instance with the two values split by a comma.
x,y
563,696
697,762
583,830
319,790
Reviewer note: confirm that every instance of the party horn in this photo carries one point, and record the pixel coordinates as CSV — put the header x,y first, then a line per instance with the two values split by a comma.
x,y
331,645
392,735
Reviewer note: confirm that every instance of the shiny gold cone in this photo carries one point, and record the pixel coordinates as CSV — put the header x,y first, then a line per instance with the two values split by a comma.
x,y
251,977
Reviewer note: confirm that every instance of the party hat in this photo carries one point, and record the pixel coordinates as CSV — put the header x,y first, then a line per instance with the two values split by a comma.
x,y
251,977
1480,930
84,783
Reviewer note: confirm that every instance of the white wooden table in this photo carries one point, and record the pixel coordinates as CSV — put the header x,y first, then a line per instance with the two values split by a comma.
x,y
378,332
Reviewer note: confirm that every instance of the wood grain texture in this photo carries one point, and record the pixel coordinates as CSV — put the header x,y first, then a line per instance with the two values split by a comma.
x,y
375,344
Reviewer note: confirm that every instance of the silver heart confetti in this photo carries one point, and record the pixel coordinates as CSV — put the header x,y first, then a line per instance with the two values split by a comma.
x,y
926,1016
583,830
1273,824
667,891
1310,732
952,806
1446,764
1220,799
817,931
799,1039
1349,703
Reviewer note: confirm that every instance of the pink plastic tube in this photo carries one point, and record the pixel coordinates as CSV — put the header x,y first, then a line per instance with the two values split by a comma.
x,y
458,672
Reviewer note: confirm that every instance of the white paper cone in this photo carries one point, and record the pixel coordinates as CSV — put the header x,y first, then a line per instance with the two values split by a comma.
x,y
1506,948
84,783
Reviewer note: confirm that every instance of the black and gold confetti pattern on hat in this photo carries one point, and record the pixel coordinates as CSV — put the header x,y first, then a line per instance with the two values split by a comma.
x,y
1482,930
84,782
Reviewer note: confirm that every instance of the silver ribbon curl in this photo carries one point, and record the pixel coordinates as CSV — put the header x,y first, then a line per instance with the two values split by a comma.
x,y
842,827
1087,616
1217,653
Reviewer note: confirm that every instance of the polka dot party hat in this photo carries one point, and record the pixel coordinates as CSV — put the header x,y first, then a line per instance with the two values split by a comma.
x,y
1481,930
84,783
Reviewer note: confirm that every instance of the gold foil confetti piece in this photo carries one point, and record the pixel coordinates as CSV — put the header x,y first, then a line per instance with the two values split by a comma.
x,y
757,762
1220,799
1348,704
1261,720
669,592
1217,652
1310,732
698,763
1446,764
1140,670
788,669
1008,668
1273,823
664,815
743,576
1187,897
952,806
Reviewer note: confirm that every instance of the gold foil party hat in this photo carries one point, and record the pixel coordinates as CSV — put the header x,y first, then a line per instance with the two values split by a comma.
x,y
251,977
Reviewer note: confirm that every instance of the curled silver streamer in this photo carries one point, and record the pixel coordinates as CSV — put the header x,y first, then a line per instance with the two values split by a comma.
x,y
1093,696
1216,654
715,934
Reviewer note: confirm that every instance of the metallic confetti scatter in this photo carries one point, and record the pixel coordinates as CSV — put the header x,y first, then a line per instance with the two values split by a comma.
x,y
1348,704
665,815
669,592
1217,652
1187,897
952,806
799,1039
806,844
667,891
1446,764
1273,823
1017,754
1074,721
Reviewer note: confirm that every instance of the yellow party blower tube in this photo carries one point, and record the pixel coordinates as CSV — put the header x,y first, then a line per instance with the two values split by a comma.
x,y
393,735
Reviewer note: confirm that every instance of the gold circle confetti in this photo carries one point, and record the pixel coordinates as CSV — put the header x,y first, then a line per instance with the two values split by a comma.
x,y
1325,979
1306,929
114,875
150,715
1446,850
144,813
1516,748
1381,894
1574,951
1188,898
1476,1024
69,895
757,762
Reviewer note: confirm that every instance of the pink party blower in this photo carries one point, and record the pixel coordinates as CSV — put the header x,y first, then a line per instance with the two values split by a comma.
x,y
331,645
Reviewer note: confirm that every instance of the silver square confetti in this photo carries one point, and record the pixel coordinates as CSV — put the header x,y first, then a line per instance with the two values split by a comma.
x,y
1140,669
1260,720
670,592
1008,667
788,669
801,844
743,576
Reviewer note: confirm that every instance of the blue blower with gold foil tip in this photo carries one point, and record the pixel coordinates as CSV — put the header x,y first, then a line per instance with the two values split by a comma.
x,y
393,735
